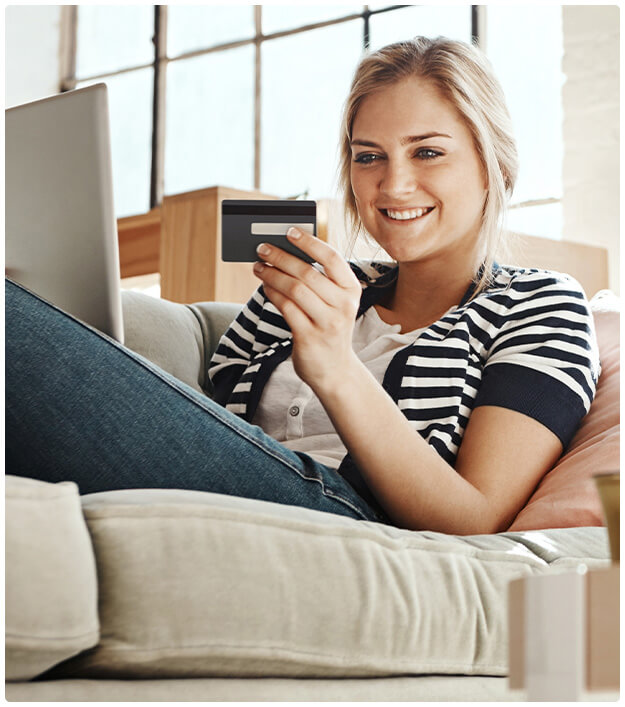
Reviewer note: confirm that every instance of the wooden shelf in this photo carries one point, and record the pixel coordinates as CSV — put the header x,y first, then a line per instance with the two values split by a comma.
x,y
140,243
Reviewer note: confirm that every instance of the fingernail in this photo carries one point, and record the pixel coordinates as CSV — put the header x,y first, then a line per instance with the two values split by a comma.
x,y
263,249
293,232
258,267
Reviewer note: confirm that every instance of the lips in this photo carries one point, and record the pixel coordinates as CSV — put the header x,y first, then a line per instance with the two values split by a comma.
x,y
411,214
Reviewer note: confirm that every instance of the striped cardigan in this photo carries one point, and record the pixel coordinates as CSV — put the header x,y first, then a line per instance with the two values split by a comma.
x,y
526,343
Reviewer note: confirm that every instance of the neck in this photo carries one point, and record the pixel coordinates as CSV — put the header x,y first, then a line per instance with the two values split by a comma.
x,y
426,290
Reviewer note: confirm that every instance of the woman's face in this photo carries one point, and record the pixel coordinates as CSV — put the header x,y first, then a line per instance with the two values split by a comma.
x,y
416,176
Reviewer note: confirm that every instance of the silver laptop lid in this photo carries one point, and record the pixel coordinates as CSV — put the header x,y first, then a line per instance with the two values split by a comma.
x,y
61,231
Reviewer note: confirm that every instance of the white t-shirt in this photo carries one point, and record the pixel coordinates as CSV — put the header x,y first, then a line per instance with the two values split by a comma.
x,y
291,413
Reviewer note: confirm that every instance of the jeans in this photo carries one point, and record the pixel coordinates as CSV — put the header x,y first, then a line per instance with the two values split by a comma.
x,y
81,407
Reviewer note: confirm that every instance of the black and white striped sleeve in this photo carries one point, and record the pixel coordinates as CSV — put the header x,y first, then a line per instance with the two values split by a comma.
x,y
236,348
544,360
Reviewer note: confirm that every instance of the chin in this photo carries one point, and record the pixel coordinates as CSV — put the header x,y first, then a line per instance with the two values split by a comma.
x,y
410,248
405,255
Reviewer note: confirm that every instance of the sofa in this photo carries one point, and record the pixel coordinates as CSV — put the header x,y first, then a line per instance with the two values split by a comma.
x,y
171,595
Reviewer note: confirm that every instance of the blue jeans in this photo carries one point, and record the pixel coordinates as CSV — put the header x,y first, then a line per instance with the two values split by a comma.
x,y
83,408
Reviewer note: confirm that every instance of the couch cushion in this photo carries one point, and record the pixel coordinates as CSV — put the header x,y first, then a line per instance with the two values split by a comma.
x,y
166,333
51,585
567,495
195,584
428,688
214,318
177,337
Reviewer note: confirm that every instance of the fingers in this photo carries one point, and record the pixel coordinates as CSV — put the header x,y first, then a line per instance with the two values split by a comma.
x,y
337,271
297,320
300,270
284,288
323,298
335,266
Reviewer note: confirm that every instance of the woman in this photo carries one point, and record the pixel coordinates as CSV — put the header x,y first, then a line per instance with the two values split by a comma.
x,y
434,393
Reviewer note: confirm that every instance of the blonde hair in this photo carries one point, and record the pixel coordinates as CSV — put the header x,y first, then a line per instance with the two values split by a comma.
x,y
464,76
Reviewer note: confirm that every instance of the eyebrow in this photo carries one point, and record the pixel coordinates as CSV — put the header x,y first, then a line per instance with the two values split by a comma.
x,y
408,140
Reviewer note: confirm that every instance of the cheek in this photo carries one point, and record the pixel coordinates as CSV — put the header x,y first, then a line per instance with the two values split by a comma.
x,y
355,184
470,190
361,186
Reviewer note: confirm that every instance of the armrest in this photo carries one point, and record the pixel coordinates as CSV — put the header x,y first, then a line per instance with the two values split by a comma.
x,y
177,337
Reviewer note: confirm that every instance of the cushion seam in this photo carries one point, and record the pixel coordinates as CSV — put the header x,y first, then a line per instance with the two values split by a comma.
x,y
39,499
467,551
101,652
32,637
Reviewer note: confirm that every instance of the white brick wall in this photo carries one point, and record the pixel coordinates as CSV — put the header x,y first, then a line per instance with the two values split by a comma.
x,y
32,52
591,128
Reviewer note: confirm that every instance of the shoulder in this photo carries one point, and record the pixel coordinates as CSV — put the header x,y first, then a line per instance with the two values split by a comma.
x,y
537,312
540,314
534,280
542,357
515,289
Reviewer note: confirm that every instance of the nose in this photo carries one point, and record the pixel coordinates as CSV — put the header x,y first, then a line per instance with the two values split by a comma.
x,y
399,178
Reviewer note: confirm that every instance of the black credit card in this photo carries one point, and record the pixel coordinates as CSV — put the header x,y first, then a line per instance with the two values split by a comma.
x,y
246,223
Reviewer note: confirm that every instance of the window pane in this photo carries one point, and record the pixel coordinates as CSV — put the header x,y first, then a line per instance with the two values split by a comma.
x,y
130,109
531,75
306,78
112,37
427,20
191,27
277,18
544,220
210,121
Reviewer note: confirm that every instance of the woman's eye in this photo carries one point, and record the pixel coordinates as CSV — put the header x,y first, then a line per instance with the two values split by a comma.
x,y
366,158
427,153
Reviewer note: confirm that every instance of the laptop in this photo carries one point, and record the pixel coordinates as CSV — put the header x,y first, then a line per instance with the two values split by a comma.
x,y
60,228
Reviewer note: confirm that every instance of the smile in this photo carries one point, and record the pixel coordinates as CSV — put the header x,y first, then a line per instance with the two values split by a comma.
x,y
407,214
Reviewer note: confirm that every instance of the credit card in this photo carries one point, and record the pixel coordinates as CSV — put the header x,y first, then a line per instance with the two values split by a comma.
x,y
246,223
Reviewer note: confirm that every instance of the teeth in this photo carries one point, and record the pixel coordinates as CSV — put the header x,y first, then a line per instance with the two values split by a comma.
x,y
406,215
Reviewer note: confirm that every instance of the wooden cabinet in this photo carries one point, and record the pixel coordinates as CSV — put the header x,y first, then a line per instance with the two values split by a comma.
x,y
181,240
140,243
190,252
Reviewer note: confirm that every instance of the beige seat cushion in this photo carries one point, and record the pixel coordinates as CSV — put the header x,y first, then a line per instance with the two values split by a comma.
x,y
51,585
195,584
427,688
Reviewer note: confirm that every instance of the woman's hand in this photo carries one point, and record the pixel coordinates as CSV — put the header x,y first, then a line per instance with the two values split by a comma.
x,y
320,309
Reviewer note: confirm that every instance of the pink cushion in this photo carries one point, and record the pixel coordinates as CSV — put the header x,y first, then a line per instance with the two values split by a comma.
x,y
566,497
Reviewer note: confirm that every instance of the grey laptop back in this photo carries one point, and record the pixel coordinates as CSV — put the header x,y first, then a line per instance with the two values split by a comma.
x,y
61,231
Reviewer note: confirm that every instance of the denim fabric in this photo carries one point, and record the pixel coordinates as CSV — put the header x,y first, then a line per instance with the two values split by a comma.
x,y
81,407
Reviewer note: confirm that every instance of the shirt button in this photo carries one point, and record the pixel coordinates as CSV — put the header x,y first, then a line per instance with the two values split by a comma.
x,y
294,411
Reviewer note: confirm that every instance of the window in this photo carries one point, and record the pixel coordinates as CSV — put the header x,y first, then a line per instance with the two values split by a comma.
x,y
114,44
304,87
250,96
210,121
525,46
